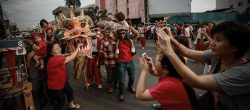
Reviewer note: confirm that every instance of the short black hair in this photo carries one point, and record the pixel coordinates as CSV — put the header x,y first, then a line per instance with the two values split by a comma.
x,y
108,28
237,34
120,16
142,23
182,39
43,21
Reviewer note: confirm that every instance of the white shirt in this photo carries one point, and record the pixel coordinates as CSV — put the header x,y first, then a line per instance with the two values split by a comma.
x,y
199,33
94,44
187,32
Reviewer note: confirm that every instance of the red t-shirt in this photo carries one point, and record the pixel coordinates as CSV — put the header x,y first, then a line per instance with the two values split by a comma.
x,y
56,71
171,94
43,48
124,51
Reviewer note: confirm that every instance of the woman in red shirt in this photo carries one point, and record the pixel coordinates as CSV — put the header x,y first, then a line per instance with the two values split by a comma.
x,y
171,92
56,71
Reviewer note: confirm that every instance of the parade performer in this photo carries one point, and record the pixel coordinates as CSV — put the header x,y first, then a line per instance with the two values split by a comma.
x,y
40,48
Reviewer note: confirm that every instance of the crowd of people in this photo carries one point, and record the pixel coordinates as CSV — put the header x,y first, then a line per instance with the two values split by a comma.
x,y
221,47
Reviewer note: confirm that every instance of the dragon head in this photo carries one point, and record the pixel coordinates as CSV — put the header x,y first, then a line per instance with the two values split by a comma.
x,y
77,30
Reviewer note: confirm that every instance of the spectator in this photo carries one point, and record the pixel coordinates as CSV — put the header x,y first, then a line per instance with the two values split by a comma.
x,y
45,25
230,73
56,71
125,62
201,30
187,32
122,23
40,48
142,35
171,92
108,49
36,77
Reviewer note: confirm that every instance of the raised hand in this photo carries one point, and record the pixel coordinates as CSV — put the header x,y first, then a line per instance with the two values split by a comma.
x,y
164,39
144,64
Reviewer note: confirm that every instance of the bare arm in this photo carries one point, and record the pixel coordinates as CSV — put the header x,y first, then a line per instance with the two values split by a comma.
x,y
30,55
135,32
73,55
141,92
192,54
206,82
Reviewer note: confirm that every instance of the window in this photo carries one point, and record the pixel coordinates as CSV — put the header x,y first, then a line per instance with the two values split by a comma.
x,y
127,11
240,3
231,6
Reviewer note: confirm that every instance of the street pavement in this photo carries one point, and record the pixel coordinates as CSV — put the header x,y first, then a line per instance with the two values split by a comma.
x,y
100,99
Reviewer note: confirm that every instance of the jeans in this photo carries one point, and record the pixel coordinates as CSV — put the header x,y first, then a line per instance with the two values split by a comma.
x,y
60,98
122,67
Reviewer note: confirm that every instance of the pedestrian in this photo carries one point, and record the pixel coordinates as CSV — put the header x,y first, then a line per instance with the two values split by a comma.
x,y
108,50
45,25
171,91
93,70
201,30
35,76
56,71
142,35
122,23
230,72
125,62
186,32
40,48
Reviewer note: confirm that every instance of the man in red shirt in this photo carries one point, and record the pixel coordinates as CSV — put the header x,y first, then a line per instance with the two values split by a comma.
x,y
125,62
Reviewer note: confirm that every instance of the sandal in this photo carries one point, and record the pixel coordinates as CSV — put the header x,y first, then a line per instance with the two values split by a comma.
x,y
76,107
157,106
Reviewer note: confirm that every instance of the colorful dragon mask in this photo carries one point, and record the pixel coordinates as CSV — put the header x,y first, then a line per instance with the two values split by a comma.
x,y
77,30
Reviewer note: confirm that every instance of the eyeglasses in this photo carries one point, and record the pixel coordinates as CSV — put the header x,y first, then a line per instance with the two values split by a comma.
x,y
122,33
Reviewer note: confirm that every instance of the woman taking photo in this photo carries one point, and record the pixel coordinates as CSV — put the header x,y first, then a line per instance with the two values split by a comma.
x,y
56,71
171,92
230,72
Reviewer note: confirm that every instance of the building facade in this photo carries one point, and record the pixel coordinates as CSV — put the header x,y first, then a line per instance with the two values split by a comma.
x,y
146,10
132,9
238,5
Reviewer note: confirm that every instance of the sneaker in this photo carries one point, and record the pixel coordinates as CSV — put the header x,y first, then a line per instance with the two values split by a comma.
x,y
99,86
88,84
133,50
117,51
143,47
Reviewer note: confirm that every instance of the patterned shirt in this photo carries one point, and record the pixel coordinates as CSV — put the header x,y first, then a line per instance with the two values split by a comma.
x,y
108,49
